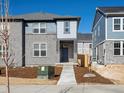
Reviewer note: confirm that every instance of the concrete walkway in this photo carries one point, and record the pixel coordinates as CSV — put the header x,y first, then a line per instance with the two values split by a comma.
x,y
64,89
67,76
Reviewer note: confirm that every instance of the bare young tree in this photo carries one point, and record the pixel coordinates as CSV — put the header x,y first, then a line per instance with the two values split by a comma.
x,y
5,38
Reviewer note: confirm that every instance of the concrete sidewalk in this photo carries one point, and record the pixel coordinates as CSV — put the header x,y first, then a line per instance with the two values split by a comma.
x,y
67,76
64,89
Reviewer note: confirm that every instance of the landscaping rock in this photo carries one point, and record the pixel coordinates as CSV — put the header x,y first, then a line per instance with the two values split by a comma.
x,y
89,75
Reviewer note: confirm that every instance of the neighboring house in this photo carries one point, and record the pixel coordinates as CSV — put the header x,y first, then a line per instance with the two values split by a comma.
x,y
84,44
44,39
108,35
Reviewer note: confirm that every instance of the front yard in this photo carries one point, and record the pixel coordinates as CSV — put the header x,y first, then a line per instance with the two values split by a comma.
x,y
27,81
111,74
81,71
28,76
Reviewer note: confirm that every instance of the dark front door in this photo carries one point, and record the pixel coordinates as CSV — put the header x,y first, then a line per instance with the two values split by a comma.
x,y
64,55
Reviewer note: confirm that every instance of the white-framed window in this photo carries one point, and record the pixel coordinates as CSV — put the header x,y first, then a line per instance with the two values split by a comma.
x,y
119,48
99,30
2,51
90,45
39,28
123,47
118,24
123,23
95,35
66,27
40,50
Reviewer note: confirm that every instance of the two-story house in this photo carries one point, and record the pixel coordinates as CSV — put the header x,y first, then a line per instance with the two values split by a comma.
x,y
44,39
108,35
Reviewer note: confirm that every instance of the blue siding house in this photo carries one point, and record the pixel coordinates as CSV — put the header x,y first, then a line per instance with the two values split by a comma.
x,y
108,35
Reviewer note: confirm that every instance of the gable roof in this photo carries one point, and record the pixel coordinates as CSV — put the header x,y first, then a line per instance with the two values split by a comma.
x,y
84,37
112,9
97,17
44,16
108,12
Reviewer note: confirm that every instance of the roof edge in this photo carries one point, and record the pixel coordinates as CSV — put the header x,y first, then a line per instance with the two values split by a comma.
x,y
100,11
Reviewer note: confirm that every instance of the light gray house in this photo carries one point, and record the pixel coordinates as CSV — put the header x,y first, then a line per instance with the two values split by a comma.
x,y
108,35
44,39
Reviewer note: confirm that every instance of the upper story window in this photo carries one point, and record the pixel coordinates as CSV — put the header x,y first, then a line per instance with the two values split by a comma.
x,y
123,23
118,24
40,50
99,30
39,28
90,45
95,35
66,27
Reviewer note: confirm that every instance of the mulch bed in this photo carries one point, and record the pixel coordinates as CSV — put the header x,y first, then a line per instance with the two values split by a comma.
x,y
29,72
21,72
58,70
81,71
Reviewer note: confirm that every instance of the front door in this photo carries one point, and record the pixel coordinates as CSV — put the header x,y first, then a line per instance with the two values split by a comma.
x,y
64,55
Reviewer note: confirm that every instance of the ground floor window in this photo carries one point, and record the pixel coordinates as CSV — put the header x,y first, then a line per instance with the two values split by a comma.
x,y
40,50
2,51
118,47
123,47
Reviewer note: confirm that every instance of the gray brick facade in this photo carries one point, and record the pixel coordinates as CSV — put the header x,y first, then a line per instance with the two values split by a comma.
x,y
51,57
110,57
15,43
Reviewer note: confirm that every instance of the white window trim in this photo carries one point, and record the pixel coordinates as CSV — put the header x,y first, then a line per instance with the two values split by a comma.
x,y
39,27
121,51
39,49
43,27
121,48
67,28
121,24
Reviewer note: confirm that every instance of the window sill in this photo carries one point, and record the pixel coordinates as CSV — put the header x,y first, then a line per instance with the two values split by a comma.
x,y
118,55
66,32
118,30
39,33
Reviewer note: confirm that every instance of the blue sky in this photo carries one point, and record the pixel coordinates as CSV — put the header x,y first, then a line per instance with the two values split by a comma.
x,y
83,8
